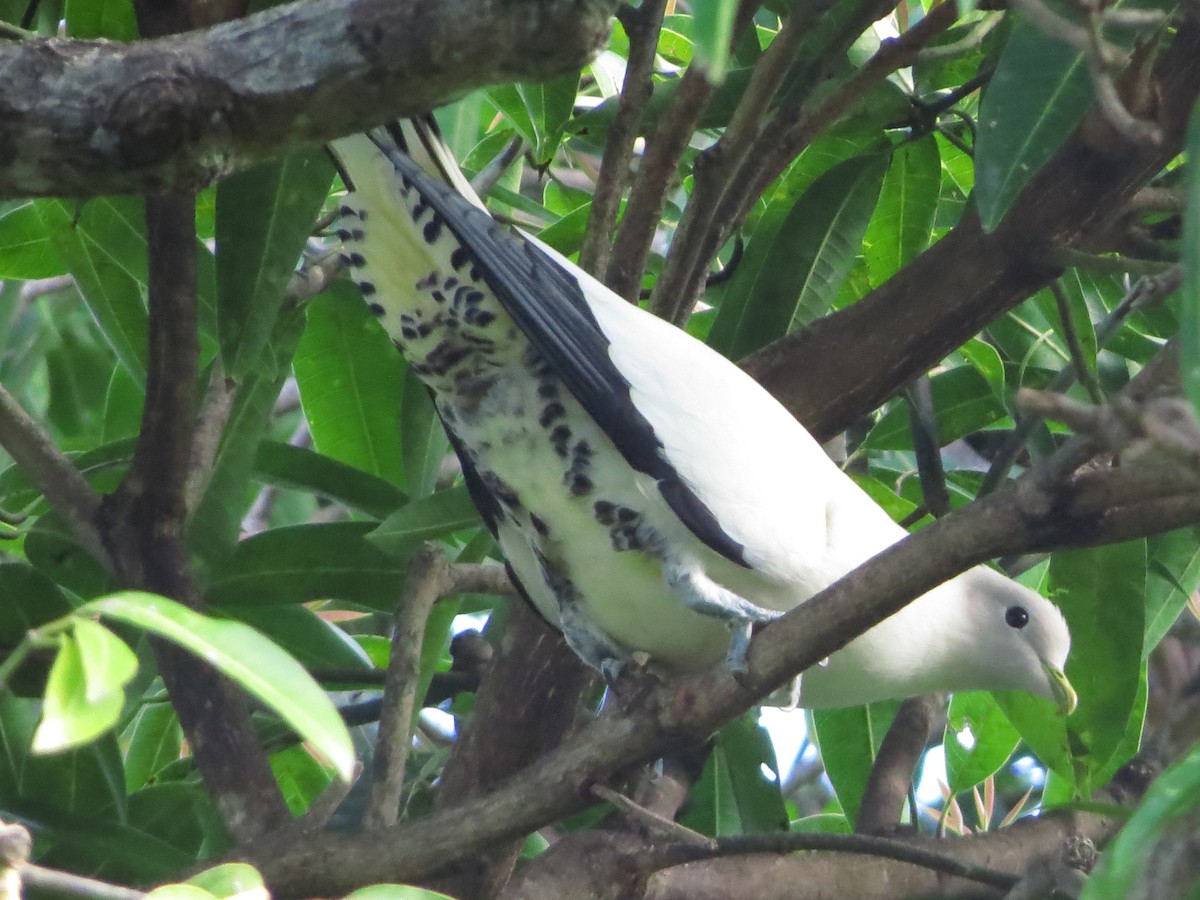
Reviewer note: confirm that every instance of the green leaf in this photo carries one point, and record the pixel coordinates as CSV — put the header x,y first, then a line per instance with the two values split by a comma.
x,y
1101,592
314,642
26,251
539,112
748,748
849,739
264,217
231,880
713,32
423,441
300,563
963,402
1036,98
302,469
112,19
902,223
1133,861
108,663
29,599
90,240
153,739
978,742
430,518
791,274
395,892
1189,320
244,655
1173,576
214,527
71,715
348,373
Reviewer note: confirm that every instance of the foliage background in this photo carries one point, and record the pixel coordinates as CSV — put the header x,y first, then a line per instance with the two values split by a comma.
x,y
318,468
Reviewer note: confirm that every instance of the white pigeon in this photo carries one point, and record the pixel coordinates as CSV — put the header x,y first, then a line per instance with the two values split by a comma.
x,y
648,494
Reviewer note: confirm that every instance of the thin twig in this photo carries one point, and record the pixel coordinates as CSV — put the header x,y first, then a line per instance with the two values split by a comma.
x,y
923,421
642,25
891,777
428,578
64,487
1083,372
652,820
210,427
887,848
53,881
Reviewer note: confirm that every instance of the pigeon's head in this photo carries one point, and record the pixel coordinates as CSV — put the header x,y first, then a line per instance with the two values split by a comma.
x,y
1022,638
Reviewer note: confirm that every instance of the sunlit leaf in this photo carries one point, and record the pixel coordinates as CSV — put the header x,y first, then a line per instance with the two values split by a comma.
x,y
245,656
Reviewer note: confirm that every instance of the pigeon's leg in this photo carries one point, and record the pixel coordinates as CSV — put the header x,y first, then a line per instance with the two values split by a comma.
x,y
699,592
590,644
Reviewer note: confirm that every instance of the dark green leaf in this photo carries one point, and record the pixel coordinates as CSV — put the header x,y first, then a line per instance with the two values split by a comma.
x,y
713,32
1037,96
308,562
538,112
1189,322
27,599
430,518
300,631
963,402
792,274
423,442
153,739
264,217
112,19
302,469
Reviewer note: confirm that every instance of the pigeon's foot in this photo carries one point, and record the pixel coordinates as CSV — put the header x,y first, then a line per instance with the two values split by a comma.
x,y
699,592
630,680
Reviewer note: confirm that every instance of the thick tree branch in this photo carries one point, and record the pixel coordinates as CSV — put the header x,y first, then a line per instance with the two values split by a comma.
x,y
83,118
970,277
691,707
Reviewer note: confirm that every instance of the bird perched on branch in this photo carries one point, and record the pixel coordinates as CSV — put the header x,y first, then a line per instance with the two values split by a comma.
x,y
648,495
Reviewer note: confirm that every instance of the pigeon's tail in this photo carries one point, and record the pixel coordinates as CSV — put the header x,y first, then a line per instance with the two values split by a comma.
x,y
407,263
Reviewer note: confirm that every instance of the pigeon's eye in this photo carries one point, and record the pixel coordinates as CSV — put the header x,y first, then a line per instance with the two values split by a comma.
x,y
1016,616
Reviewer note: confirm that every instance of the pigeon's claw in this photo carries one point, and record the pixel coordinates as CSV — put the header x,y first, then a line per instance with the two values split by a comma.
x,y
697,591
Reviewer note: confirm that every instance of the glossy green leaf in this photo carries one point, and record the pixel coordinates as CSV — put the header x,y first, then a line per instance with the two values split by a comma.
x,y
302,469
902,223
76,708
714,810
244,655
791,275
849,739
25,248
1036,98
1130,866
1101,592
979,740
348,373
264,216
430,518
748,748
308,562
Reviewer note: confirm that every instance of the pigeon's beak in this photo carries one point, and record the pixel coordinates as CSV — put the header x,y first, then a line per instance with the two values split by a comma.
x,y
1060,688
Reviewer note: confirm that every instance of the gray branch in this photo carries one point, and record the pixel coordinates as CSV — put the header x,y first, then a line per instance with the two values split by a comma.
x,y
82,118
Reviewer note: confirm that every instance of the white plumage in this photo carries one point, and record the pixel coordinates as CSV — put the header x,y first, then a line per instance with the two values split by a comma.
x,y
647,494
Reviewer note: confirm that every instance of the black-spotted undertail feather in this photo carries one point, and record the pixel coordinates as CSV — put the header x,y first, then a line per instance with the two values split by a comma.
x,y
647,494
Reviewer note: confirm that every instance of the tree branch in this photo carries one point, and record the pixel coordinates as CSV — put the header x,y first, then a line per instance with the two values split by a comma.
x,y
94,117
934,304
